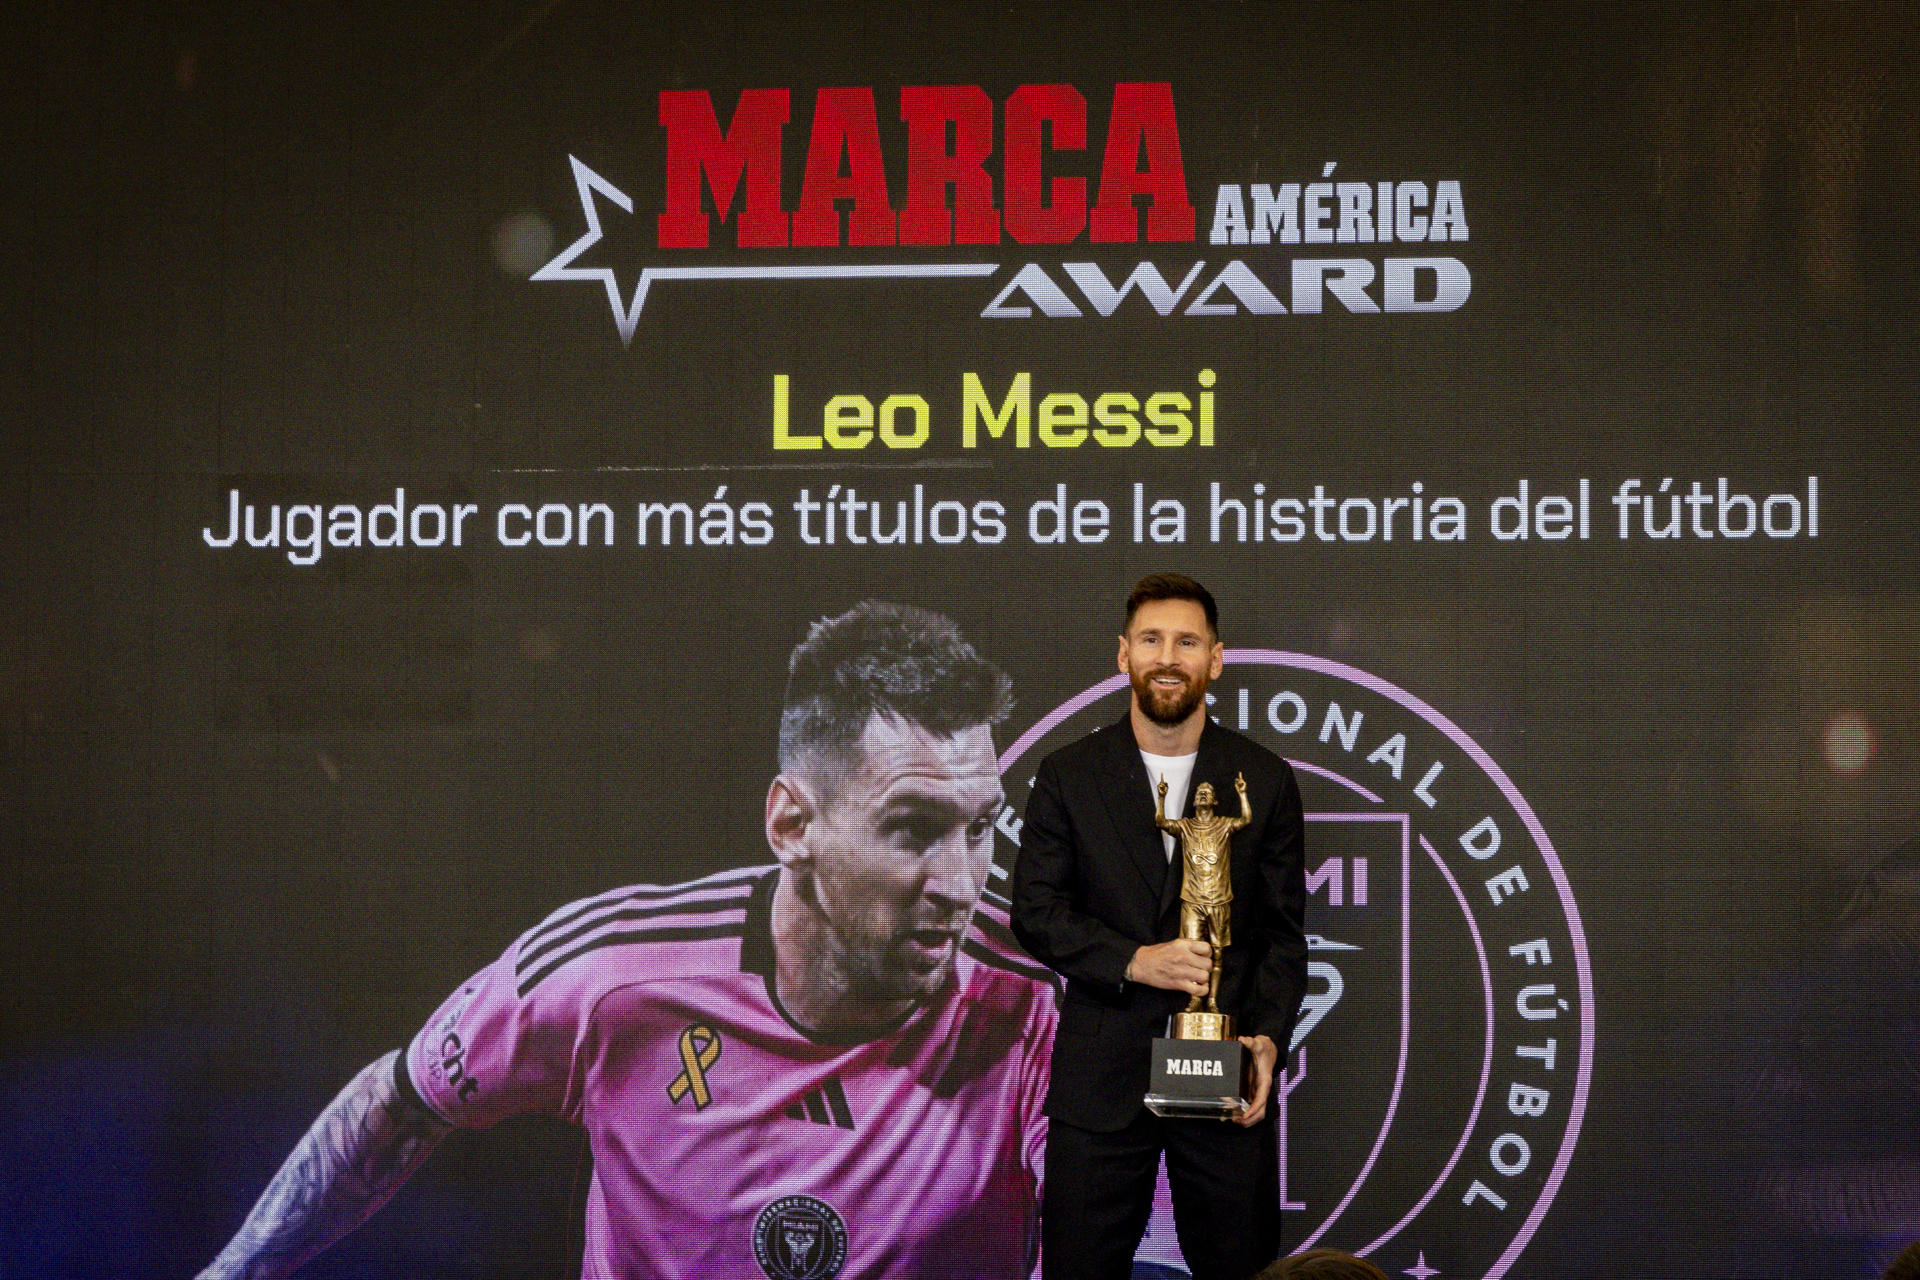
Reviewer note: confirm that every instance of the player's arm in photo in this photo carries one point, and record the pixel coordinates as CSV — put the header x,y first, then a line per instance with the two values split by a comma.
x,y
372,1137
364,1145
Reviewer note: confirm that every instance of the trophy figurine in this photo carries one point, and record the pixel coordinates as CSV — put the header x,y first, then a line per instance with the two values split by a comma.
x,y
1200,1069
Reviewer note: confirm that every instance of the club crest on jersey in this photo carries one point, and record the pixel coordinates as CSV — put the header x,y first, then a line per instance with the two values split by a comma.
x,y
699,1047
800,1238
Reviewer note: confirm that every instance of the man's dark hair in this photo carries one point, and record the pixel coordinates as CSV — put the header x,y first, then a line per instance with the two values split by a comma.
x,y
884,659
1322,1264
1171,586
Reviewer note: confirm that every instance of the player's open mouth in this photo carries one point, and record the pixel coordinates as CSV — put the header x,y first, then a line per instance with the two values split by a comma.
x,y
931,940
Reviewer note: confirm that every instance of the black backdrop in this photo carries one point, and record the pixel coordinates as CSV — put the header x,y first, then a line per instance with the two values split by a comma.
x,y
259,816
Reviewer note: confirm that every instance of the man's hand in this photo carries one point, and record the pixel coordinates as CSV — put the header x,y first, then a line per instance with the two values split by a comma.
x,y
1265,1055
1180,965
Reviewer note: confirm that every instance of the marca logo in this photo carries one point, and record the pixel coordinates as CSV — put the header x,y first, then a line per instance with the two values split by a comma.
x,y
1439,1071
950,138
971,171
1193,1067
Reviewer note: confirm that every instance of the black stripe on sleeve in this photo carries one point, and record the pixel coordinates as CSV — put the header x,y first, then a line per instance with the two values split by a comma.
x,y
816,1110
669,933
403,1085
612,899
640,893
528,957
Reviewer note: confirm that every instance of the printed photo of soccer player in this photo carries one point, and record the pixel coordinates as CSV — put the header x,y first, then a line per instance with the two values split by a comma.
x,y
832,1063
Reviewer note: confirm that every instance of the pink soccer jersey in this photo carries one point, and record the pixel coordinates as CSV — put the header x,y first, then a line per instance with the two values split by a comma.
x,y
727,1142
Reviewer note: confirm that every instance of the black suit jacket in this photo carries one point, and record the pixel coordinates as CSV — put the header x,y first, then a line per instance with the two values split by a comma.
x,y
1093,883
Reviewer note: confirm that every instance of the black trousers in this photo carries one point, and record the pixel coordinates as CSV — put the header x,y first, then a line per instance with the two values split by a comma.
x,y
1099,1192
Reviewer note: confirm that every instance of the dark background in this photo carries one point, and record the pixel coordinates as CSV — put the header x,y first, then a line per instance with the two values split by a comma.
x,y
257,819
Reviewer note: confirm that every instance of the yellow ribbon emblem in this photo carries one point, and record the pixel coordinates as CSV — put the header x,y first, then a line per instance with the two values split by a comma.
x,y
699,1050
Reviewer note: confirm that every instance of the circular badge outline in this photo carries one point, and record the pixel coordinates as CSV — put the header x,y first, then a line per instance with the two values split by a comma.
x,y
1486,1060
763,1223
1583,967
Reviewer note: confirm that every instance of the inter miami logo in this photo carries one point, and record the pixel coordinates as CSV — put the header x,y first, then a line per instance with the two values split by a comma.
x,y
800,1238
1440,1067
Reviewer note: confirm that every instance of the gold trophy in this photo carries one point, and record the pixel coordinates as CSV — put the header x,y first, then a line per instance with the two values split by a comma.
x,y
1200,1069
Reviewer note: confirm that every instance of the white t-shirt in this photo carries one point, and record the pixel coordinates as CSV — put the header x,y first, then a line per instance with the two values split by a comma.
x,y
1178,771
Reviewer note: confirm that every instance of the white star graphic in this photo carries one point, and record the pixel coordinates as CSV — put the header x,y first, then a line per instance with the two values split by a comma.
x,y
587,182
627,316
1420,1270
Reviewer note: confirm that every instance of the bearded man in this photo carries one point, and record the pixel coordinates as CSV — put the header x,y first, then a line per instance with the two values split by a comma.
x,y
1096,896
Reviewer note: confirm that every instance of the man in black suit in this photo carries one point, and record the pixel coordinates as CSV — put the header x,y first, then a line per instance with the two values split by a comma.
x,y
1096,896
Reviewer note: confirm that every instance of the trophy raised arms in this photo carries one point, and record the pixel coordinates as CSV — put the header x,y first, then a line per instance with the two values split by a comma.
x,y
1206,881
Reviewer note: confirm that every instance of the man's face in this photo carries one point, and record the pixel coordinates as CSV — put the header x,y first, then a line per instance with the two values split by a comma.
x,y
1170,657
899,846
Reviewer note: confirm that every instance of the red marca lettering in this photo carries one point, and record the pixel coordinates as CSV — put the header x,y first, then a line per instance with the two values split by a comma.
x,y
749,148
932,169
950,194
1142,119
844,124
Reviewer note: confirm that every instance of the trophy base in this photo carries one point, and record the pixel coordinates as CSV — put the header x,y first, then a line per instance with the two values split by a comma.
x,y
1200,1079
1217,1108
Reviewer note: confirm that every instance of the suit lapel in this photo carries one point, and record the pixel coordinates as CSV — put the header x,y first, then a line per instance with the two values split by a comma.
x,y
1211,766
1129,800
